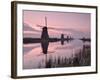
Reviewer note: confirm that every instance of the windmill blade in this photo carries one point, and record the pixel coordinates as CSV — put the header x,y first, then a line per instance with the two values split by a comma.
x,y
40,26
44,26
58,29
52,28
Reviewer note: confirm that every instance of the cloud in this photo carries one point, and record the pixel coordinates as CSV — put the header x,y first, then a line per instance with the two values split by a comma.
x,y
27,27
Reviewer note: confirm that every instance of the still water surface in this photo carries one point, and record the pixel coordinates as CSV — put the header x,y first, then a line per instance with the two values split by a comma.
x,y
68,54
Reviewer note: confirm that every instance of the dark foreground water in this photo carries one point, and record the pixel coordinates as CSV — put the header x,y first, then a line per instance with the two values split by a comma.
x,y
59,54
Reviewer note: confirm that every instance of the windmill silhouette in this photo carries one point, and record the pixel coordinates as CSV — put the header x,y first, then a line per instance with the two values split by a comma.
x,y
44,35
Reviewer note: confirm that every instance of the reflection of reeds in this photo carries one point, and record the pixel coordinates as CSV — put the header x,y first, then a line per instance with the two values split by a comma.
x,y
81,58
84,56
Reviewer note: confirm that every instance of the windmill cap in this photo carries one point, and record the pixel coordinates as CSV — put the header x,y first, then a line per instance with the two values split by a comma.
x,y
45,28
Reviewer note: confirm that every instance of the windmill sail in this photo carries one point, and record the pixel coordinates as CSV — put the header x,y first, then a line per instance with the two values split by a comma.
x,y
45,21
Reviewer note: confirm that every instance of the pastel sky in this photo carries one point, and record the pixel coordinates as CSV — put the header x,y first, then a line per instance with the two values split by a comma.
x,y
69,23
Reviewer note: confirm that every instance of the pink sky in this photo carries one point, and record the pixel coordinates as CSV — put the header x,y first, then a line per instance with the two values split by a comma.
x,y
76,24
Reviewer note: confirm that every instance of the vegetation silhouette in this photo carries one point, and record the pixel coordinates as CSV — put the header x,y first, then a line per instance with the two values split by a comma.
x,y
85,39
81,58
